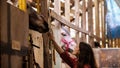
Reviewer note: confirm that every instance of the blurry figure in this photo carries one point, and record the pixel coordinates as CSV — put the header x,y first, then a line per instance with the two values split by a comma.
x,y
97,45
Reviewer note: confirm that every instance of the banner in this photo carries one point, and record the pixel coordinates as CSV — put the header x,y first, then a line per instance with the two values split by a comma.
x,y
112,19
